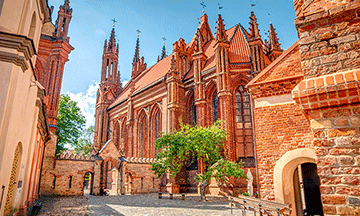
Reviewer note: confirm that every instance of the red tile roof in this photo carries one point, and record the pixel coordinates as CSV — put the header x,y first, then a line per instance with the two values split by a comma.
x,y
239,51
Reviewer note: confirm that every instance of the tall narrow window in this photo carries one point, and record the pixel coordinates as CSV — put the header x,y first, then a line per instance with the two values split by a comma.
x,y
157,128
70,180
243,118
215,104
193,109
63,24
54,182
123,139
143,136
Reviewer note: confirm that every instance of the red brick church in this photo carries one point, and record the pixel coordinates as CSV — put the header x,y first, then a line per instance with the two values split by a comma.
x,y
292,117
200,82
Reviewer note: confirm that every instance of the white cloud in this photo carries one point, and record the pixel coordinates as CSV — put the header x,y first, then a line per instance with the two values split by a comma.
x,y
124,82
100,32
86,102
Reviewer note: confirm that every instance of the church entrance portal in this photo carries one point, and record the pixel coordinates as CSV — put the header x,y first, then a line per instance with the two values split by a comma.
x,y
306,190
112,178
88,183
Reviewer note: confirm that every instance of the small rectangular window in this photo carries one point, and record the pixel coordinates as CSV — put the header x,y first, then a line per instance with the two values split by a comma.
x,y
54,181
70,179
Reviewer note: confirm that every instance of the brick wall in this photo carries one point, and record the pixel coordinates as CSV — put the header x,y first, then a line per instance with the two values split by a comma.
x,y
63,170
142,179
329,33
278,129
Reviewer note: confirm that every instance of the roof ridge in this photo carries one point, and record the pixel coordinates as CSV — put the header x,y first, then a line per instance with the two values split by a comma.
x,y
273,64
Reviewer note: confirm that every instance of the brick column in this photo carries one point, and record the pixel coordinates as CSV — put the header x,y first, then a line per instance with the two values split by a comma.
x,y
330,95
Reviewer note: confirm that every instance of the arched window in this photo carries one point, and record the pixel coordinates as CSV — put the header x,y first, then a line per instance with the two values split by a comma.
x,y
243,119
116,135
123,139
157,128
142,136
216,107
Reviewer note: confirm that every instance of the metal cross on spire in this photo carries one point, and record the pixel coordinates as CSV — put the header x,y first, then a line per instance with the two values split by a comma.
x,y
269,18
138,31
114,21
164,39
219,7
204,6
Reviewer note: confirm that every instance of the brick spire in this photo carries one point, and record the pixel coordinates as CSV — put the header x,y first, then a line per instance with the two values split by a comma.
x,y
254,30
63,20
220,29
272,47
138,64
112,42
137,52
273,39
198,42
163,53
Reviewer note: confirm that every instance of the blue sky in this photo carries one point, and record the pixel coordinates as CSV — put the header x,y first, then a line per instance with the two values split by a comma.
x,y
91,25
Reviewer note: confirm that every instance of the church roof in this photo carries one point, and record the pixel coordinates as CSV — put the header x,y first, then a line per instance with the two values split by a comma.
x,y
287,65
239,52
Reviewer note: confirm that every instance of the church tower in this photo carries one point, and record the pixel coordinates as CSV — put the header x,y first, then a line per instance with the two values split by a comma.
x,y
54,49
110,87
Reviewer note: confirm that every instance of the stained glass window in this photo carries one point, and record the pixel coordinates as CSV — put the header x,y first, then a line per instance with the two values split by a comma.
x,y
243,117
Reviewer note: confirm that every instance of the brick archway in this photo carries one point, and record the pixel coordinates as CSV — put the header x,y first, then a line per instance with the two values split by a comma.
x,y
284,171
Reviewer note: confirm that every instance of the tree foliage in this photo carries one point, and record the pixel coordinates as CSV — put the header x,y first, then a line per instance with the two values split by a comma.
x,y
70,123
198,142
84,143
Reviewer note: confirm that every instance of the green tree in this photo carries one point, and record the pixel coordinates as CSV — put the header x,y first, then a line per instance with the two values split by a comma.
x,y
84,143
198,142
70,123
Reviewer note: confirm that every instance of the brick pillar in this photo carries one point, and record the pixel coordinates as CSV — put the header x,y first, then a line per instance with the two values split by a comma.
x,y
97,177
330,58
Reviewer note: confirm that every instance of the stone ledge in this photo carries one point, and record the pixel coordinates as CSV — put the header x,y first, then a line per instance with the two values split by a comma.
x,y
331,90
18,42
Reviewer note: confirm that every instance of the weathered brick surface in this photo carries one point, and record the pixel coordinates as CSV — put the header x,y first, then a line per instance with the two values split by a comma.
x,y
278,129
329,49
140,179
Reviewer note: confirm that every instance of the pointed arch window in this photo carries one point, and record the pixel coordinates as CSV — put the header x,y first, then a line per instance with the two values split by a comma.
x,y
123,140
157,129
216,106
142,136
243,117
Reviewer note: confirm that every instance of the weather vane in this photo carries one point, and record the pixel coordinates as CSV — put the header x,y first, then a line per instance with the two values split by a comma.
x,y
219,7
251,4
138,31
114,21
204,6
164,39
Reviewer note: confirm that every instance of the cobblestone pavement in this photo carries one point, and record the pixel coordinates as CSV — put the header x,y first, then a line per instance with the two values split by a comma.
x,y
152,205
59,205
145,205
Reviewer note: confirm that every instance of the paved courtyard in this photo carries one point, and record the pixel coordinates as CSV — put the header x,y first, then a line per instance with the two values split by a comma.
x,y
136,205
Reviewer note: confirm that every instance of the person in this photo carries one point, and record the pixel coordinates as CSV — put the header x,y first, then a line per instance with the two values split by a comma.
x,y
103,192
